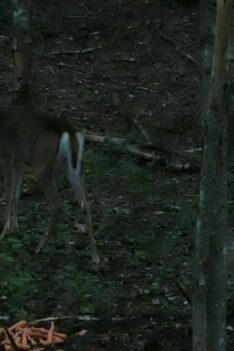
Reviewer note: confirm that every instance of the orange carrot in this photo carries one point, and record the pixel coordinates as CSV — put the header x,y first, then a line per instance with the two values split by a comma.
x,y
22,347
26,329
7,347
37,334
40,330
43,342
6,342
57,340
19,332
30,339
24,339
17,338
20,324
60,335
50,334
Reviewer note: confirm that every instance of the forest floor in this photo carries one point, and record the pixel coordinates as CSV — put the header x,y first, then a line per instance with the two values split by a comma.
x,y
142,62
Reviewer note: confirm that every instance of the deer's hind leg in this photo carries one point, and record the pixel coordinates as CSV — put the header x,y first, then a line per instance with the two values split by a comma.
x,y
78,187
44,165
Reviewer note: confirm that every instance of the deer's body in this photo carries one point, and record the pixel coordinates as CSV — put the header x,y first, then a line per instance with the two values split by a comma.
x,y
32,138
21,129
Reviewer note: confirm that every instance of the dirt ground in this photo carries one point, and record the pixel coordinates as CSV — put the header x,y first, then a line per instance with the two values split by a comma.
x,y
101,64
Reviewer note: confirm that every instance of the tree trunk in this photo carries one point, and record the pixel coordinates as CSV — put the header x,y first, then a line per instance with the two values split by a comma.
x,y
21,49
210,268
230,94
217,129
207,23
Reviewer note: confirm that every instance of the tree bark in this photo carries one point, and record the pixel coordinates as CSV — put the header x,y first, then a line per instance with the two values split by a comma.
x,y
210,267
21,50
217,125
207,23
230,93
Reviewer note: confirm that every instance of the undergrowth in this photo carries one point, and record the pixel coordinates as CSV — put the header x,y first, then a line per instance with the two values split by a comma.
x,y
143,227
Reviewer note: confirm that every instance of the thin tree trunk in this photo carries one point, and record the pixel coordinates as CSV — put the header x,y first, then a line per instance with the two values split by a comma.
x,y
210,269
207,23
230,94
217,129
21,49
199,288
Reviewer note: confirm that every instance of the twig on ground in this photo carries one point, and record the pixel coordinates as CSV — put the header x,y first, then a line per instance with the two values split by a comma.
x,y
179,49
62,318
146,89
143,132
75,52
140,128
189,57
184,291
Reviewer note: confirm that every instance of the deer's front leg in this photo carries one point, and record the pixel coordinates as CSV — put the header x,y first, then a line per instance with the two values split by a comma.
x,y
7,172
7,222
17,182
13,176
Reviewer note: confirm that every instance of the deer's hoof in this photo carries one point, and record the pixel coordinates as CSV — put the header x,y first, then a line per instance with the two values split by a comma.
x,y
9,229
38,250
5,231
41,244
96,260
2,236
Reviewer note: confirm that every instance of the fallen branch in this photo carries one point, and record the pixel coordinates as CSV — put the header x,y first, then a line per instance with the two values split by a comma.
x,y
63,318
122,142
138,152
75,52
134,150
182,155
193,160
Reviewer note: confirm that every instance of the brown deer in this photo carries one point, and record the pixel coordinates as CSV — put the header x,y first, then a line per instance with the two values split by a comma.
x,y
45,143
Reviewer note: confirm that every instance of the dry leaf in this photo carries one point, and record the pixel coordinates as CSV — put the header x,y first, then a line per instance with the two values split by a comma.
x,y
82,332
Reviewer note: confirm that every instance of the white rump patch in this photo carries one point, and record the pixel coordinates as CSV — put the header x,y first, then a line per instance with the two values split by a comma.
x,y
63,152
64,158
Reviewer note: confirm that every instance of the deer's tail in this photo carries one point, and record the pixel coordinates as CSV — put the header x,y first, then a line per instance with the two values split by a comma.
x,y
71,154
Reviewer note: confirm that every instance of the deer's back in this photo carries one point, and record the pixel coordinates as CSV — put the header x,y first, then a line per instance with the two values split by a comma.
x,y
22,128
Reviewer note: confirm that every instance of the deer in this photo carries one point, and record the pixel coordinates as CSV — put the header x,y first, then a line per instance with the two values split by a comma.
x,y
48,145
